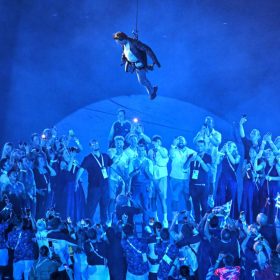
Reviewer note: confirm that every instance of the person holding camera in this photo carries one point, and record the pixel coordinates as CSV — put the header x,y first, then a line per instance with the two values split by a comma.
x,y
42,175
179,176
229,158
253,140
251,172
213,139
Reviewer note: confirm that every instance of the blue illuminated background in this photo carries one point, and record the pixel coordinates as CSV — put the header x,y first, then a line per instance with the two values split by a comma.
x,y
219,57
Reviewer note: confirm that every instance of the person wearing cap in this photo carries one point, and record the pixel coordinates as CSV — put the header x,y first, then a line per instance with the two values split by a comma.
x,y
134,56
159,157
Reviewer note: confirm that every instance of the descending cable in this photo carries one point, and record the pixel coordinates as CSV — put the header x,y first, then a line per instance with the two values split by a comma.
x,y
135,31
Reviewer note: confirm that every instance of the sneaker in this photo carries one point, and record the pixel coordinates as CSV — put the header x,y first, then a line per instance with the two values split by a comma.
x,y
153,95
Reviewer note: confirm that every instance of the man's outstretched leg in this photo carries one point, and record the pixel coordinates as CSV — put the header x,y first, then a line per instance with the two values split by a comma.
x,y
142,79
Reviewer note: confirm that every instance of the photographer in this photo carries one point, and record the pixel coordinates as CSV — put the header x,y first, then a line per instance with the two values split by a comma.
x,y
213,139
227,184
42,175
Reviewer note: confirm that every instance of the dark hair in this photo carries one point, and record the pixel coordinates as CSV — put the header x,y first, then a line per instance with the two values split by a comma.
x,y
3,162
185,271
122,110
157,225
200,142
26,224
120,36
228,260
12,171
156,138
128,230
164,234
214,222
44,251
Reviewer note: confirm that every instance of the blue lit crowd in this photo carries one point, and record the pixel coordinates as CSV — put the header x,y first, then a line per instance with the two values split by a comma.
x,y
139,209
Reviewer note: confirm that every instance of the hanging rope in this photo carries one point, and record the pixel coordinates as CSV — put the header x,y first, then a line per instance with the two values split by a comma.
x,y
135,31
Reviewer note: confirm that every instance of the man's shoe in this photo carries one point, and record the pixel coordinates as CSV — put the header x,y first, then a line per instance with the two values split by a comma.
x,y
153,95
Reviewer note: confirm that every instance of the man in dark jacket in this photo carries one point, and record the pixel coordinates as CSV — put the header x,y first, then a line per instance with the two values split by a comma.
x,y
134,56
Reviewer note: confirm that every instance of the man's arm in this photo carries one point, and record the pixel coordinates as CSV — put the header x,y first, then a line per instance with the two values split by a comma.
x,y
215,138
78,176
241,127
141,46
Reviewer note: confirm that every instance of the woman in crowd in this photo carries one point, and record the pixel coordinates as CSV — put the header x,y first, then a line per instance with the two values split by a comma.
x,y
227,184
42,174
251,186
270,187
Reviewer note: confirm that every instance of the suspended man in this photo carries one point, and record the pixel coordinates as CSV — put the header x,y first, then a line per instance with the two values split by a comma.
x,y
134,57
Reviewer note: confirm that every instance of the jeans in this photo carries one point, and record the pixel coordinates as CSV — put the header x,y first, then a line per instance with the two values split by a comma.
x,y
199,196
98,195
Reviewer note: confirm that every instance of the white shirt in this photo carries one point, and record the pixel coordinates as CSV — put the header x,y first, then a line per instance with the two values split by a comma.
x,y
130,56
120,163
160,164
179,158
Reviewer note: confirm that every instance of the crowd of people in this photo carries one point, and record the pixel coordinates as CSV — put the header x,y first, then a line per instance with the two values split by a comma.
x,y
219,229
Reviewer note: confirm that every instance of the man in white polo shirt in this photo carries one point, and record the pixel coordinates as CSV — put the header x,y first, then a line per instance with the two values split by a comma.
x,y
179,153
